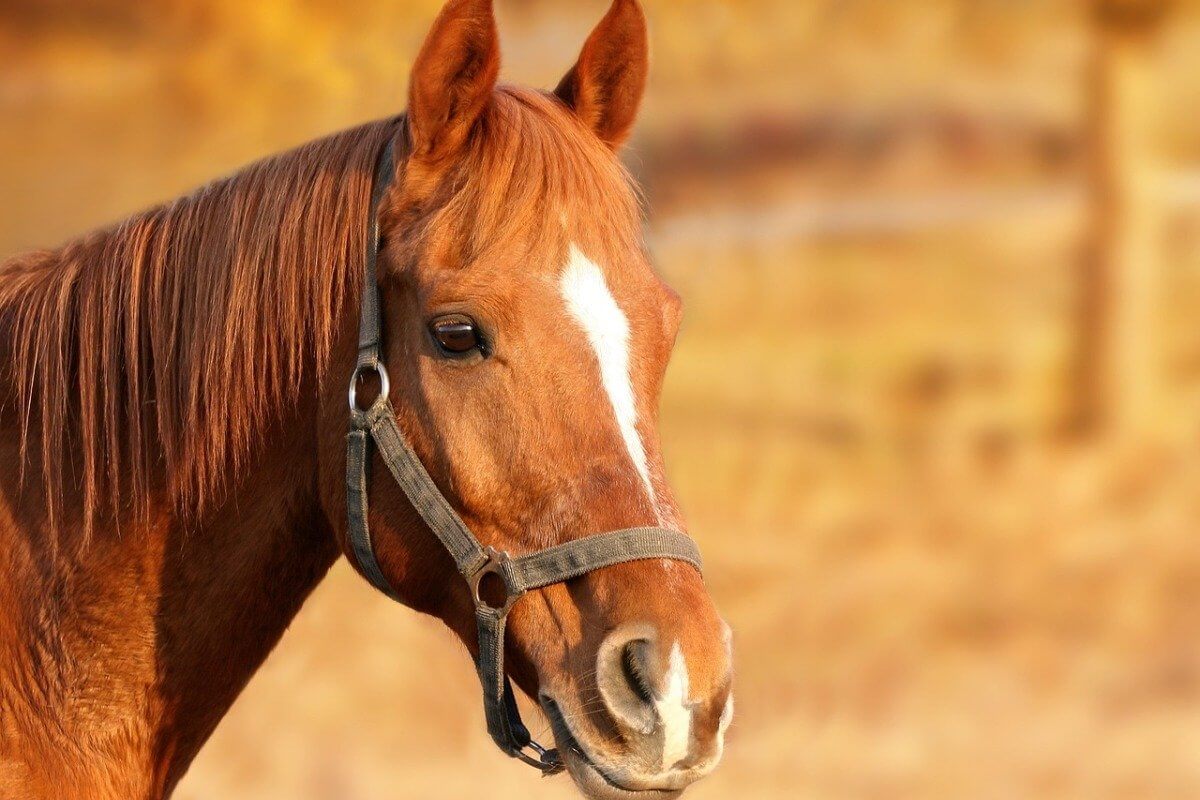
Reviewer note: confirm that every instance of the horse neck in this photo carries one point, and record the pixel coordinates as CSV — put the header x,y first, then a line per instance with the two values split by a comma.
x,y
232,587
119,656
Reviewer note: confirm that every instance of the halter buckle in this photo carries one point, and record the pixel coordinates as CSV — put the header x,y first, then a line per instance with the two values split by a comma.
x,y
494,565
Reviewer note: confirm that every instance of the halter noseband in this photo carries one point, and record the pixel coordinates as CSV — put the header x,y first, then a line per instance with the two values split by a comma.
x,y
475,562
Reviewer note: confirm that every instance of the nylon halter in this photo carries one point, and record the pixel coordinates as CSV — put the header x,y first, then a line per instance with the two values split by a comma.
x,y
376,428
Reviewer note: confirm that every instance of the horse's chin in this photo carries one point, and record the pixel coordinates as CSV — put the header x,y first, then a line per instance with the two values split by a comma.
x,y
589,777
596,786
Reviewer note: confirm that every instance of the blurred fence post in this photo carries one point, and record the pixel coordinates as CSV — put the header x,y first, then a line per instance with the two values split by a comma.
x,y
1118,347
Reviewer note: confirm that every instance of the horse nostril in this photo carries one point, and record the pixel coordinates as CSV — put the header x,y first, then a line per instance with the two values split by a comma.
x,y
629,677
636,664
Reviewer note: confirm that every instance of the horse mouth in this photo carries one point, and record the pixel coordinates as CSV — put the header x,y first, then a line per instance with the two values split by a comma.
x,y
592,778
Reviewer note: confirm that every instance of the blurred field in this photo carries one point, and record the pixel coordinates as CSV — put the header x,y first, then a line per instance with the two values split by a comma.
x,y
874,212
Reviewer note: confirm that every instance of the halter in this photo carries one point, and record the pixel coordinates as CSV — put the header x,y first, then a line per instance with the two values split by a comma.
x,y
475,562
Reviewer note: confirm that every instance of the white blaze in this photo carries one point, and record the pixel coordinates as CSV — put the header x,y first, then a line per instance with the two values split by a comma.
x,y
592,305
674,711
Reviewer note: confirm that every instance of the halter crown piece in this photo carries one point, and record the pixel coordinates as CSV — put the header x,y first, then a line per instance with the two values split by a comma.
x,y
573,559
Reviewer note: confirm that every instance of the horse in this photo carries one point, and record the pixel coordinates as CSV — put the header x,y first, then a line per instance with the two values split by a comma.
x,y
173,431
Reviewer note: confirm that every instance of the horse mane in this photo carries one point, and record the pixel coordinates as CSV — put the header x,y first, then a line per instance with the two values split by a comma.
x,y
155,347
150,353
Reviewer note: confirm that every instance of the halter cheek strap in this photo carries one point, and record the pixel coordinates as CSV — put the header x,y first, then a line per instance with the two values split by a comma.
x,y
376,428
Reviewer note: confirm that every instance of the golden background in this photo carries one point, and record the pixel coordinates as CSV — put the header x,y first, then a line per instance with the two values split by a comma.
x,y
881,216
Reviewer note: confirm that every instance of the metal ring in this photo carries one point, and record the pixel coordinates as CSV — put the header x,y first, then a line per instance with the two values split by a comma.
x,y
548,760
385,385
493,566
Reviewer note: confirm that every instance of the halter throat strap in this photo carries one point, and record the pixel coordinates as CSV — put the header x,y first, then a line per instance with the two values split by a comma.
x,y
375,429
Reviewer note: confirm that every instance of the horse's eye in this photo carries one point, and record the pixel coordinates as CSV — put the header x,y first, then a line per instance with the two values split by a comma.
x,y
455,334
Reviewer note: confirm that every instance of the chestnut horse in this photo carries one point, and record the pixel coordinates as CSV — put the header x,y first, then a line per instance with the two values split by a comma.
x,y
173,429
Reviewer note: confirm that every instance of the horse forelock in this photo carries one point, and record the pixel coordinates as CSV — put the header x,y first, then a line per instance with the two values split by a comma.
x,y
530,173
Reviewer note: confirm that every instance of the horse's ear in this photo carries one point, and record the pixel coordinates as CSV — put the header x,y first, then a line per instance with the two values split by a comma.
x,y
453,77
606,85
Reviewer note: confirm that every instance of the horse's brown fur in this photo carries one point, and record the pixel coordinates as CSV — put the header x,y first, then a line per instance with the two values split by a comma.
x,y
172,413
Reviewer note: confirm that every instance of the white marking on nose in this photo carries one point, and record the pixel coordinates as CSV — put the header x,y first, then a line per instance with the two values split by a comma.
x,y
674,710
726,716
594,308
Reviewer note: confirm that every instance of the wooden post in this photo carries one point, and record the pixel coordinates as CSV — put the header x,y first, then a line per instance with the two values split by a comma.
x,y
1119,353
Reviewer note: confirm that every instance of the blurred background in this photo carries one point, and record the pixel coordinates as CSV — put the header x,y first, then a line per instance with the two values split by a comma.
x,y
932,414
